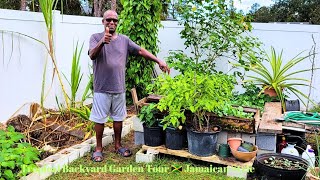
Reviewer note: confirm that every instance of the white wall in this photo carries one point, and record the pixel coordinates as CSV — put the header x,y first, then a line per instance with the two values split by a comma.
x,y
21,75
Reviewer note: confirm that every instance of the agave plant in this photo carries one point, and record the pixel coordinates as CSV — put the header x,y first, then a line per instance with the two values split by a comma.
x,y
277,75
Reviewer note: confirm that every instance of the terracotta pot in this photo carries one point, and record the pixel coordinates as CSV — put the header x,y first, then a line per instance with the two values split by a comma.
x,y
309,175
244,156
271,92
234,143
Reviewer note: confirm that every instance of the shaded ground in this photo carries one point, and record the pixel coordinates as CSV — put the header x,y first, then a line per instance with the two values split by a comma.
x,y
118,167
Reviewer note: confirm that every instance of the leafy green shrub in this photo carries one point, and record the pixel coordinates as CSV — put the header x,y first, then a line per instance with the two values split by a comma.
x,y
147,115
210,93
251,97
16,156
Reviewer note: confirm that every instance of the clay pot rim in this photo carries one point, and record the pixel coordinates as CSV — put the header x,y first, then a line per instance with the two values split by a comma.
x,y
229,139
255,146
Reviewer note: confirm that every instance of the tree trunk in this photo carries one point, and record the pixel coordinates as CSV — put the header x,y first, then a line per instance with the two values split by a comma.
x,y
101,5
23,5
114,5
96,8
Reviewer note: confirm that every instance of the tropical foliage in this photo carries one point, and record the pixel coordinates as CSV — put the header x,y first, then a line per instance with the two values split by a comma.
x,y
140,20
276,73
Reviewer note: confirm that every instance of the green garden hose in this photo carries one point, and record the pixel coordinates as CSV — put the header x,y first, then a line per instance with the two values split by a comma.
x,y
302,117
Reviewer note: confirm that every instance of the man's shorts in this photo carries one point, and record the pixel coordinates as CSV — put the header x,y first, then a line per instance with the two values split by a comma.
x,y
107,104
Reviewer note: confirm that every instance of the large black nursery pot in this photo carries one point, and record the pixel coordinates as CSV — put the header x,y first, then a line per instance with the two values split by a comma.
x,y
176,139
202,143
268,172
153,136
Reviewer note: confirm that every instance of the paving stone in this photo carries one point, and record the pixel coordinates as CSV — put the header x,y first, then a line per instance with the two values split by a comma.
x,y
142,156
138,138
71,153
83,148
222,137
137,124
237,172
107,140
266,141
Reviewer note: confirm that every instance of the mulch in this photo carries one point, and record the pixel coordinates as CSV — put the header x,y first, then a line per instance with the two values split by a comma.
x,y
53,130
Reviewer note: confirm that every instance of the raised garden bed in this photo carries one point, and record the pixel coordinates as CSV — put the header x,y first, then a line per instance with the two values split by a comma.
x,y
235,124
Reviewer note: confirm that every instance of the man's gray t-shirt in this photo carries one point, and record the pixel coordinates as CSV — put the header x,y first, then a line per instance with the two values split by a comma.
x,y
110,65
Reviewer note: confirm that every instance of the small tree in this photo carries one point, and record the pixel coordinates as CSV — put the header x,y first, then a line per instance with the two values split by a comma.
x,y
212,29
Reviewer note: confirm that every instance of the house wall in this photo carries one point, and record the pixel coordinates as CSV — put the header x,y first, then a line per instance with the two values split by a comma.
x,y
23,59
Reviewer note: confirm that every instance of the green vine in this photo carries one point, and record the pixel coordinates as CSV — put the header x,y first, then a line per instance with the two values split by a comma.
x,y
140,21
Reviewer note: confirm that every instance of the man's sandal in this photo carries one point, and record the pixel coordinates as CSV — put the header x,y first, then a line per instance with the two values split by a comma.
x,y
97,156
124,152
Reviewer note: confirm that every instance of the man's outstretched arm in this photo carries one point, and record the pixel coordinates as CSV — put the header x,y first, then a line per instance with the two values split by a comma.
x,y
162,65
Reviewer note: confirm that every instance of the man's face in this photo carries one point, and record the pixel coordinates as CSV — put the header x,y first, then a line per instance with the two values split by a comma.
x,y
110,20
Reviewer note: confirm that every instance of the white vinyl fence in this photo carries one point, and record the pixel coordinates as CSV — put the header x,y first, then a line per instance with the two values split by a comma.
x,y
22,59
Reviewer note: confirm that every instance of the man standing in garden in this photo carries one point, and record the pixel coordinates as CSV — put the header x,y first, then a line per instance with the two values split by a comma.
x,y
109,52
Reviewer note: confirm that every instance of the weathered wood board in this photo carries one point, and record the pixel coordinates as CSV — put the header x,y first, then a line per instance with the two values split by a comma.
x,y
272,110
231,161
234,124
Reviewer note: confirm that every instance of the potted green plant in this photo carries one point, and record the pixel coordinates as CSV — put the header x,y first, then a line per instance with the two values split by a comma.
x,y
153,133
198,94
274,74
173,122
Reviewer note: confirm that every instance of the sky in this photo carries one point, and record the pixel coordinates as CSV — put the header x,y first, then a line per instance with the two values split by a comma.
x,y
245,5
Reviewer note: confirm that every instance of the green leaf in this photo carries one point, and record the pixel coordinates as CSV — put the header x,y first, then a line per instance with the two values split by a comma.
x,y
8,174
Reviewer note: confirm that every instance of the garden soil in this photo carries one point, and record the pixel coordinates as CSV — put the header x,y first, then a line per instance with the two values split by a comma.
x,y
48,131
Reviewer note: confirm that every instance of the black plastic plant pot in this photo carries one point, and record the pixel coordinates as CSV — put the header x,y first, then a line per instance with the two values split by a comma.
x,y
269,172
176,139
202,143
293,105
153,136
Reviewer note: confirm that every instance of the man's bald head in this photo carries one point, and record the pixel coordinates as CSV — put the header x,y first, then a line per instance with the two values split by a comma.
x,y
110,20
109,13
